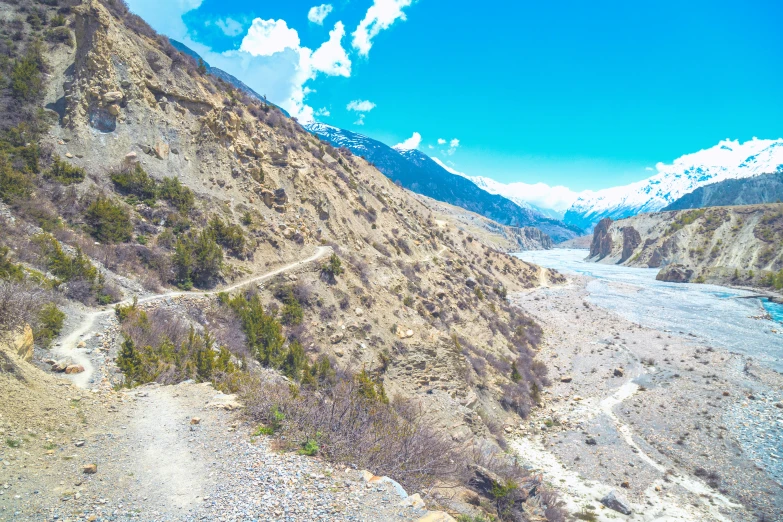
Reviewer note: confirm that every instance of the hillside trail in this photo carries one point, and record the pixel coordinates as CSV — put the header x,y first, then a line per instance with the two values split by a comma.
x,y
68,346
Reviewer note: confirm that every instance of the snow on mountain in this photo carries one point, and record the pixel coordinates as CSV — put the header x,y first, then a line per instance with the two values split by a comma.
x,y
540,197
729,159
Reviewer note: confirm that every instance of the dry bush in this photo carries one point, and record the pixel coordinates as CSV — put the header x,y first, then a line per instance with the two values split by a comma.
x,y
21,303
349,427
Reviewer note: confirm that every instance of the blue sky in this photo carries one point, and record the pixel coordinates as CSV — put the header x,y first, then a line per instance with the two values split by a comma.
x,y
583,94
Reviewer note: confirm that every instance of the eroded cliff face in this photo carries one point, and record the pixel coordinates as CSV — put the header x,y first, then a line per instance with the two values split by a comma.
x,y
738,245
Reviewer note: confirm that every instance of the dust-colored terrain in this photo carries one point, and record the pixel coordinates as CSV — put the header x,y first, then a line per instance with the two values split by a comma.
x,y
660,417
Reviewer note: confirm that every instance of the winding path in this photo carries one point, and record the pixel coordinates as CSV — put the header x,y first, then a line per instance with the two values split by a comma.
x,y
68,345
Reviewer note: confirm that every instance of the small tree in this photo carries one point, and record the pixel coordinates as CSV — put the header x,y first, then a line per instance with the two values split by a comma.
x,y
202,67
108,221
65,173
332,268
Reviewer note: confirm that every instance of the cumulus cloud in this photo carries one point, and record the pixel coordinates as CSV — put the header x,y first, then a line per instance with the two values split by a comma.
x,y
411,143
649,169
360,119
441,141
361,106
323,111
268,37
229,26
331,59
381,15
318,14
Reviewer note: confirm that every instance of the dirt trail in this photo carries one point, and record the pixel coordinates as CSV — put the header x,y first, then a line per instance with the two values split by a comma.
x,y
67,347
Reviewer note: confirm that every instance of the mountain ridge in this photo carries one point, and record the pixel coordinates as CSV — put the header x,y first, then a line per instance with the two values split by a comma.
x,y
764,188
418,172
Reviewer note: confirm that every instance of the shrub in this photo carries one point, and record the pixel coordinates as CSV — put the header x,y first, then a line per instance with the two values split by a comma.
x,y
60,35
27,80
228,236
21,303
135,181
292,313
197,259
8,269
332,268
13,184
178,195
65,173
50,323
108,222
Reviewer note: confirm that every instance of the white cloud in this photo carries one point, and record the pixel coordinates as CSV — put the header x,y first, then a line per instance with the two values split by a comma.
x,y
360,120
454,143
441,141
381,15
229,26
268,37
411,143
323,111
361,106
318,14
331,59
649,169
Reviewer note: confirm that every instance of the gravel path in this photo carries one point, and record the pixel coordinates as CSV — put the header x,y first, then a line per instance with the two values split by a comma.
x,y
156,462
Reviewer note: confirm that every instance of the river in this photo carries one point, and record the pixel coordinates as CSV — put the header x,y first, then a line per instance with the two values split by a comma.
x,y
724,317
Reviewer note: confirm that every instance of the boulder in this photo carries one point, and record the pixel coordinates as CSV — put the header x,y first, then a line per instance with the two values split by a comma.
x,y
614,500
112,97
74,368
482,480
675,273
90,469
336,338
566,378
415,501
60,366
470,282
618,372
162,150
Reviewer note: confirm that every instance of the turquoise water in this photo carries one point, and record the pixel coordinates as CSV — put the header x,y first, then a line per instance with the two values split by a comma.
x,y
720,316
774,309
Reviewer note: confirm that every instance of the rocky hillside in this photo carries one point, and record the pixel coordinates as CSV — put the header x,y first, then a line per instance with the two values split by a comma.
x,y
233,242
766,188
727,245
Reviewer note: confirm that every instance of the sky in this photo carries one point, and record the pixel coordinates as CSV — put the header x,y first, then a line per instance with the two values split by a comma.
x,y
584,95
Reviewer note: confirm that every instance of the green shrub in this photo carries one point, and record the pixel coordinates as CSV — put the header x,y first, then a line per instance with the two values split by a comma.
x,y
13,184
177,194
135,181
57,20
50,323
65,173
60,264
108,222
309,448
332,268
228,236
292,313
27,81
197,259
8,269
60,35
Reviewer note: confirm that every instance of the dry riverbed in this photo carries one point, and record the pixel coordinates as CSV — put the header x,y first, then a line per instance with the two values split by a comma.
x,y
681,429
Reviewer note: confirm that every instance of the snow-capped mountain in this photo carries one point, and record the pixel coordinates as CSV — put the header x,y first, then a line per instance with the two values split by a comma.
x,y
729,159
418,172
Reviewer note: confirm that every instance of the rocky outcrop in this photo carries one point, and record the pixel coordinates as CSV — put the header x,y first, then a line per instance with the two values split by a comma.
x,y
22,343
675,274
631,240
602,239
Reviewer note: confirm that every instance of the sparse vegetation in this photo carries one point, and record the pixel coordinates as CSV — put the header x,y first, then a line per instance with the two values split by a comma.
x,y
108,222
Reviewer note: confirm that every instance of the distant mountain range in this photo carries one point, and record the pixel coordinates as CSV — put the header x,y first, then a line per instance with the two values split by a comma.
x,y
765,188
419,173
727,160
223,75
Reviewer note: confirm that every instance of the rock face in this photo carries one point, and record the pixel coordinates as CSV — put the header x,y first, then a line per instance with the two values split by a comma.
x,y
631,240
614,500
675,274
602,239
22,344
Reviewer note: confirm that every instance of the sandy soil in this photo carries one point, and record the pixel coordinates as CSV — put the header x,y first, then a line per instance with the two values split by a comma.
x,y
661,430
